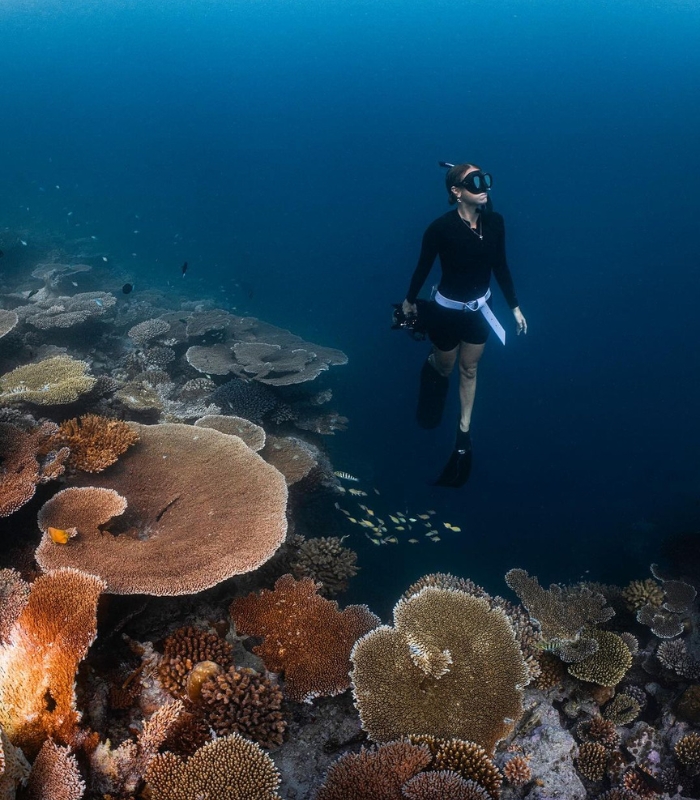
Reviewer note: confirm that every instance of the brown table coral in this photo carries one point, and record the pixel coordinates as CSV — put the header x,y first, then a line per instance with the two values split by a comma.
x,y
202,507
306,637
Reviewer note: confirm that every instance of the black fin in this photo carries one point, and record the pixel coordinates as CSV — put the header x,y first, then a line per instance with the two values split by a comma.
x,y
459,465
431,396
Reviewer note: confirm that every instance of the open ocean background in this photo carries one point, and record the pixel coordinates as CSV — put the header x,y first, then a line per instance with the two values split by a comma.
x,y
288,151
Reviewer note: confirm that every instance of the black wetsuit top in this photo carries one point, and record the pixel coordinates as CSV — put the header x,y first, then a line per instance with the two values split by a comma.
x,y
467,261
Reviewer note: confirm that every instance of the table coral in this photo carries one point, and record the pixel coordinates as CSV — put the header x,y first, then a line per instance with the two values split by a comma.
x,y
379,772
202,507
253,435
231,768
305,636
450,667
51,382
39,660
28,459
8,321
608,665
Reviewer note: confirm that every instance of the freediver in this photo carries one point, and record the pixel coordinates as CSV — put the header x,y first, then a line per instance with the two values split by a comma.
x,y
470,241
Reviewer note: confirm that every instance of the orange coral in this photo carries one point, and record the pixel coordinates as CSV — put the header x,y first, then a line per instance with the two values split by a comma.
x,y
38,662
306,637
378,773
95,442
27,460
517,771
202,507
55,774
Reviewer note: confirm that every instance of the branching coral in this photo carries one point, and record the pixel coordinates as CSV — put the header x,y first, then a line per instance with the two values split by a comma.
x,y
186,529
249,400
146,331
379,772
517,771
450,667
468,759
561,612
27,460
14,768
39,660
608,664
640,593
441,785
245,702
687,750
325,560
306,637
184,649
592,760
55,775
231,768
14,594
51,382
95,442
622,710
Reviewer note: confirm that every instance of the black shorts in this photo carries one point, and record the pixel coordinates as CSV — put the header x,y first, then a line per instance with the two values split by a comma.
x,y
447,327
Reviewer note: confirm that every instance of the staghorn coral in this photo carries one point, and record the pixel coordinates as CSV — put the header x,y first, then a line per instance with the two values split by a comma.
x,y
517,771
687,750
185,529
253,435
640,593
317,661
55,775
441,785
27,460
120,771
450,667
599,730
95,442
231,768
592,760
51,382
379,772
39,660
622,709
245,702
14,768
608,665
562,612
325,561
183,650
8,321
293,457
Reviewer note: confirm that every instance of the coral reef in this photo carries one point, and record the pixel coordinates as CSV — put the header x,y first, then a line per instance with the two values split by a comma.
x,y
95,442
253,435
53,381
609,662
50,312
185,529
14,767
231,768
28,459
243,701
39,659
246,399
55,775
379,772
325,561
8,321
183,650
450,667
293,457
316,663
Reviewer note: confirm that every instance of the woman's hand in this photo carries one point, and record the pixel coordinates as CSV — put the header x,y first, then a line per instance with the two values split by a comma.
x,y
520,320
409,309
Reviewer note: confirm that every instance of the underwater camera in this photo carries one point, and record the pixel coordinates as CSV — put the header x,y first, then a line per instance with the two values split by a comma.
x,y
413,324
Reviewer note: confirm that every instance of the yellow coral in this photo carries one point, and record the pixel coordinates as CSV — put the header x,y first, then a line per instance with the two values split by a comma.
x,y
608,664
53,381
95,442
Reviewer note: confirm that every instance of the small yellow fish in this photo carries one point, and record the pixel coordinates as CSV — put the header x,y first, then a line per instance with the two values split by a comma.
x,y
424,516
374,541
352,519
434,538
413,541
376,491
456,529
366,523
448,525
346,476
391,540
400,528
357,492
60,536
430,511
370,512
412,519
394,519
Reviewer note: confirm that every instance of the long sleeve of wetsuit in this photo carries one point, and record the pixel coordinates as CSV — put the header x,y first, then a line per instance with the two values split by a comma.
x,y
500,266
428,254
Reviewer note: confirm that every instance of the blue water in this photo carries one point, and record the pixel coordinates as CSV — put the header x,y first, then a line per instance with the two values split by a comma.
x,y
288,151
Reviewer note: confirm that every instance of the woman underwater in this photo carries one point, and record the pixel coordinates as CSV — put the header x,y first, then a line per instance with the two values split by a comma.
x,y
470,241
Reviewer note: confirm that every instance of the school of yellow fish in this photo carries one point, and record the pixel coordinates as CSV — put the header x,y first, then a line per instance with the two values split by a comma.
x,y
383,531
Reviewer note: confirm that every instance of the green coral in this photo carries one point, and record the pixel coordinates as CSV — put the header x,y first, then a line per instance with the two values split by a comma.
x,y
51,382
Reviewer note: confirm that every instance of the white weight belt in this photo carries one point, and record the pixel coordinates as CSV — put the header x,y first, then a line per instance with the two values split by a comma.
x,y
474,305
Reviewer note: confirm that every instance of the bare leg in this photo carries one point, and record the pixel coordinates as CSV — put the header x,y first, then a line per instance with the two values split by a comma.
x,y
469,355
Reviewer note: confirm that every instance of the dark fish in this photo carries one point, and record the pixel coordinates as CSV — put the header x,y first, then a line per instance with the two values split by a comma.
x,y
184,269
126,288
